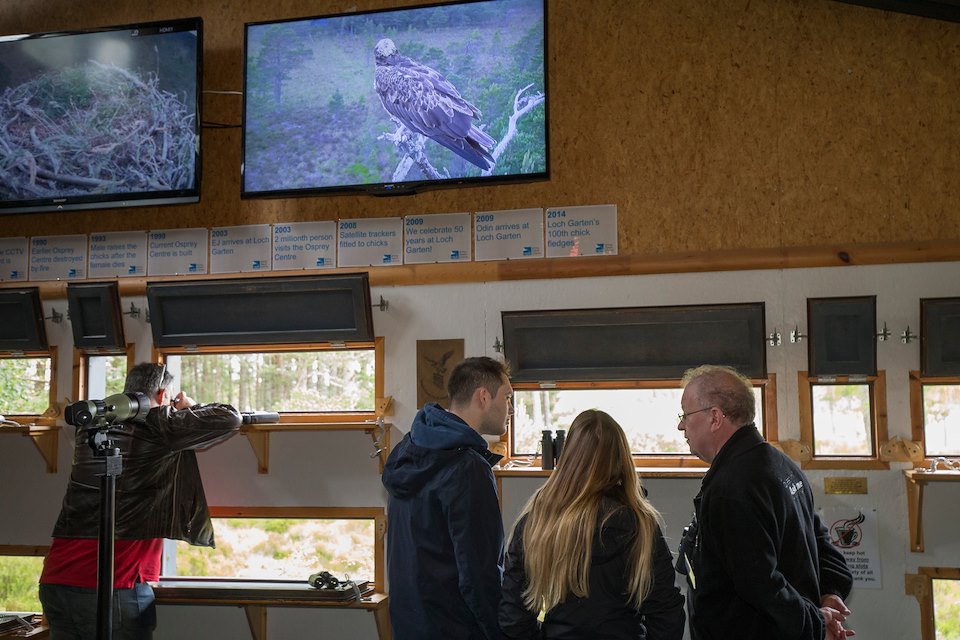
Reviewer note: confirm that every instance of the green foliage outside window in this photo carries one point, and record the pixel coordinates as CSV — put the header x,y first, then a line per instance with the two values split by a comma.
x,y
946,607
24,386
18,582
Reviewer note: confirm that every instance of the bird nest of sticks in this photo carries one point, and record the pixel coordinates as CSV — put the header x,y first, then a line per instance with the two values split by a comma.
x,y
94,129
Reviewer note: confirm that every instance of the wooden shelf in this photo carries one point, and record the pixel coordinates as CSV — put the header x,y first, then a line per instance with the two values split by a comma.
x,y
258,435
45,437
916,480
256,598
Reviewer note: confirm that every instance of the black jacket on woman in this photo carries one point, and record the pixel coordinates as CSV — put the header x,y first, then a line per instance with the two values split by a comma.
x,y
607,613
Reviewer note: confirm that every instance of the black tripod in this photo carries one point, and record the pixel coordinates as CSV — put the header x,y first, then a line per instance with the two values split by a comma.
x,y
113,466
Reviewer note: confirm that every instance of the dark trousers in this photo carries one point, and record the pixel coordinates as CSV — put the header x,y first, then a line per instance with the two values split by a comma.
x,y
72,612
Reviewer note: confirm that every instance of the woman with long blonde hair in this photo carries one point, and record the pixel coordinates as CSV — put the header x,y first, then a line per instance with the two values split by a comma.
x,y
587,558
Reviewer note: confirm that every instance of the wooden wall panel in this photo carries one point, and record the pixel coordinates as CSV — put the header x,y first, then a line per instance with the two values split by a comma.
x,y
727,125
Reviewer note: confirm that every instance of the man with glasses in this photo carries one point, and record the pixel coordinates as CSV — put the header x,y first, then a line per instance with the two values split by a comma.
x,y
758,561
159,494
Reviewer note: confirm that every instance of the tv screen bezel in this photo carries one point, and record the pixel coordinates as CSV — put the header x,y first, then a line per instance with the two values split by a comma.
x,y
125,199
409,187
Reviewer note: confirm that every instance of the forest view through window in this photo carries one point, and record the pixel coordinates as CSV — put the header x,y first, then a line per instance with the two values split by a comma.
x,y
24,386
340,380
648,416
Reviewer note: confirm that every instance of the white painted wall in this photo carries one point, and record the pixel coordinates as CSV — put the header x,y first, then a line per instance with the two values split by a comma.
x,y
334,469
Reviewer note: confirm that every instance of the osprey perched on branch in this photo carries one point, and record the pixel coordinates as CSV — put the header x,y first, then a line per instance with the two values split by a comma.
x,y
425,102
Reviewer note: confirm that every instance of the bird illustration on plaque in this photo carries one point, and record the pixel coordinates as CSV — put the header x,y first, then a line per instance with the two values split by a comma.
x,y
435,359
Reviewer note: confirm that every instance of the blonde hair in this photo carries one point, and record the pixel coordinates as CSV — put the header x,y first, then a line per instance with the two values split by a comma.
x,y
562,516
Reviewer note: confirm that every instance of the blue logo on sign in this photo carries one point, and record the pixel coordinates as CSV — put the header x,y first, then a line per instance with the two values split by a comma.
x,y
455,254
71,273
321,262
192,268
14,275
386,258
528,251
599,247
255,264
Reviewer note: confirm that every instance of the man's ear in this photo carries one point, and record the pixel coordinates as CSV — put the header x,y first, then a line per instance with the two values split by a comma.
x,y
481,397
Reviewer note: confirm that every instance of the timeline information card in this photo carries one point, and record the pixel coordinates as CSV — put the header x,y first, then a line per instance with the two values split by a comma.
x,y
443,237
369,241
508,235
582,231
118,254
58,257
305,245
176,251
240,249
14,259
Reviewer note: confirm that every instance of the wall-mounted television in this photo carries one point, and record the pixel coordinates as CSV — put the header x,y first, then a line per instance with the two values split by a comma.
x,y
101,118
396,101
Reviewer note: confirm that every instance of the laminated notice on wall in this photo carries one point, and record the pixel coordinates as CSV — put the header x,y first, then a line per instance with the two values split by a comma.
x,y
13,259
574,232
441,237
58,257
120,254
508,235
370,241
855,533
240,249
177,251
305,245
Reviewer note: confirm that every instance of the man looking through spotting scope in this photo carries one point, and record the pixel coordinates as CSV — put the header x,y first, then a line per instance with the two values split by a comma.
x,y
159,494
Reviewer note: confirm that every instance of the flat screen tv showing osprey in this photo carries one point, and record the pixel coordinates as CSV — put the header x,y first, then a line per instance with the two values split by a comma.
x,y
396,101
100,118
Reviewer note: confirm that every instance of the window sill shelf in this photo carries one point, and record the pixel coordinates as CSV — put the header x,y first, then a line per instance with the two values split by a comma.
x,y
45,434
916,480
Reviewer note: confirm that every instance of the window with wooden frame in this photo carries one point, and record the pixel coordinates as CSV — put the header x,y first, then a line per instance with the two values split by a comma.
x,y
20,567
935,415
100,373
28,385
937,590
627,362
843,420
288,543
646,409
305,383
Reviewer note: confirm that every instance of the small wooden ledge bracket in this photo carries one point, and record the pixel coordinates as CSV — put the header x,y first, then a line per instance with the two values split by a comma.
x,y
258,435
45,436
794,449
916,480
917,585
257,619
900,450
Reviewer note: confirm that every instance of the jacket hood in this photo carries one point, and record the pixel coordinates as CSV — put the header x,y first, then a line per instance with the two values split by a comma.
x,y
436,437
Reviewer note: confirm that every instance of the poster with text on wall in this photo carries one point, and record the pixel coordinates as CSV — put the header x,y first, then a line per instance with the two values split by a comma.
x,y
14,259
118,254
574,232
508,235
172,252
855,533
240,249
368,242
58,257
305,245
443,237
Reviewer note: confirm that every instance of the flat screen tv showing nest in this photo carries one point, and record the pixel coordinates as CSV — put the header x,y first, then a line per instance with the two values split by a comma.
x,y
100,118
396,101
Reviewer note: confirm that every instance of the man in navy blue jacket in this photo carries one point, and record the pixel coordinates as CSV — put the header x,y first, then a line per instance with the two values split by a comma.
x,y
445,532
759,563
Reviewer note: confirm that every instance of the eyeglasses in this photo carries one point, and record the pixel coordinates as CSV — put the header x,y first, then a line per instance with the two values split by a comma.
x,y
682,417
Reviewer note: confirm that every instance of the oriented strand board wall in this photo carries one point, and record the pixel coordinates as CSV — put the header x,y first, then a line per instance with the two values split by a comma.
x,y
721,125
